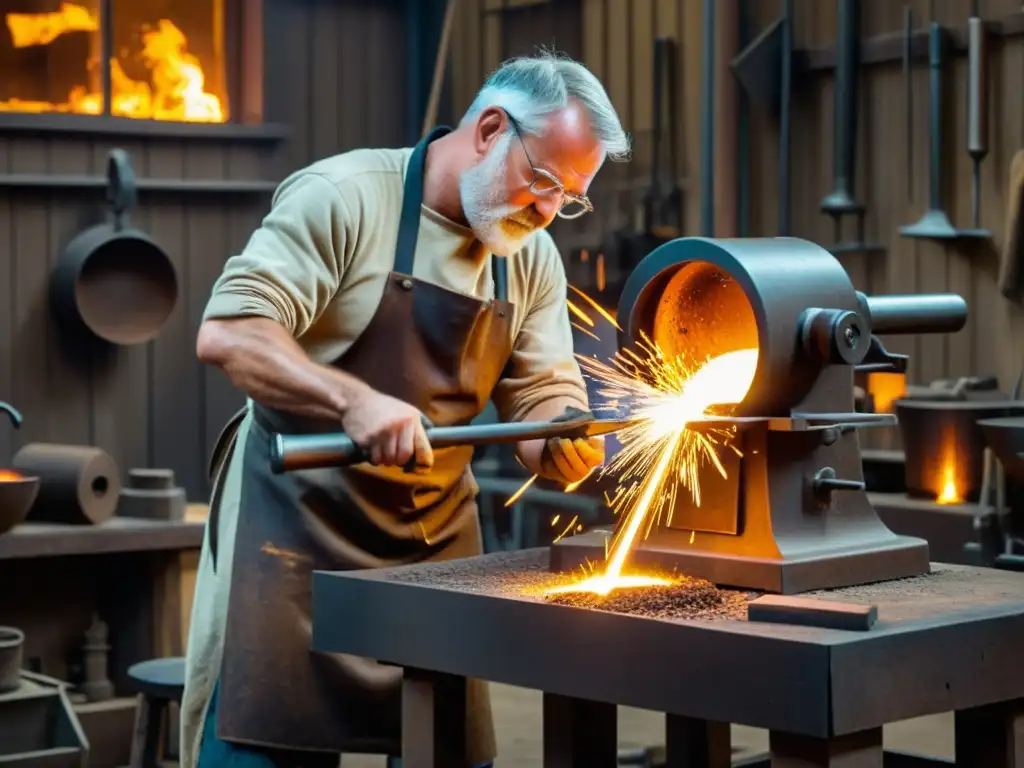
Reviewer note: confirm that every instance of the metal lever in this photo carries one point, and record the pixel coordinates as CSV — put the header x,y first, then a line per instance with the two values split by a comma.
x,y
13,413
825,482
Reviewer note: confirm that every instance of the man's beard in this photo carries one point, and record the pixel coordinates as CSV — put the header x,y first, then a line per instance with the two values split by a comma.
x,y
502,228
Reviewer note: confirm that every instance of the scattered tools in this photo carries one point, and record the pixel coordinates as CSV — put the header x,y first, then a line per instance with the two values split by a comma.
x,y
935,223
977,105
1011,267
336,449
661,218
841,201
77,483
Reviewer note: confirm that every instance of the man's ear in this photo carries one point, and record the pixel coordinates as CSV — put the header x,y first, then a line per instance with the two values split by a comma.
x,y
492,123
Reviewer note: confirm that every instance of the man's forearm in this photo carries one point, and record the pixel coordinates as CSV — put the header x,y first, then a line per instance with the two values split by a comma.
x,y
530,451
262,359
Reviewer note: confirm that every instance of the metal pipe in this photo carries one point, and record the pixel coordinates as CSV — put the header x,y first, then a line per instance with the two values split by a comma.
x,y
707,138
916,313
785,94
844,122
977,105
726,119
908,96
743,129
936,50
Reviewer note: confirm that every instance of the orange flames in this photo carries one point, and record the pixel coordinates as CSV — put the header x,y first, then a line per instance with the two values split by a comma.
x,y
176,90
949,491
10,476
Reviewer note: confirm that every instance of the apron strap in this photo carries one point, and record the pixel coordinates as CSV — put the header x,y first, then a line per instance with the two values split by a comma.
x,y
412,199
409,223
499,269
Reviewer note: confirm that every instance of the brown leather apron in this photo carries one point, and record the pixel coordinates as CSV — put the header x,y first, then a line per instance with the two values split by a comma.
x,y
434,348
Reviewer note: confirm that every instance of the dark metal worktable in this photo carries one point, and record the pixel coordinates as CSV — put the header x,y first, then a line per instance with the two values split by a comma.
x,y
951,640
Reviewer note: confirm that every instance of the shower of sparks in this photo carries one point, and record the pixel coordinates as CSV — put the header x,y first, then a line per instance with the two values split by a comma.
x,y
664,451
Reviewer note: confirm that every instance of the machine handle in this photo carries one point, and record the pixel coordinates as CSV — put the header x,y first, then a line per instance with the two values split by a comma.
x,y
925,313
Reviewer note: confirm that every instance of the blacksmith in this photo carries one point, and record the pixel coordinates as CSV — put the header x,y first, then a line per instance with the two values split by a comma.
x,y
384,286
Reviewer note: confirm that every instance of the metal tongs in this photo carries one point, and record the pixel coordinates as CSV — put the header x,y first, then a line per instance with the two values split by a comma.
x,y
336,449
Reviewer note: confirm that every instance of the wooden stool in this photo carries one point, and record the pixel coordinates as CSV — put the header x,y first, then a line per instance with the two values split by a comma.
x,y
157,682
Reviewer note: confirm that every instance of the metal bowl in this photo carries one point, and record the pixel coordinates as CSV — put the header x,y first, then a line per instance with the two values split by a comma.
x,y
16,498
1005,437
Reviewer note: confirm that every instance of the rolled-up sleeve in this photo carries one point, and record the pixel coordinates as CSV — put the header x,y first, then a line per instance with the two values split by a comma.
x,y
542,366
292,265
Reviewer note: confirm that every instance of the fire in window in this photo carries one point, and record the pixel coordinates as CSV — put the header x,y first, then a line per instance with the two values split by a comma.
x,y
166,59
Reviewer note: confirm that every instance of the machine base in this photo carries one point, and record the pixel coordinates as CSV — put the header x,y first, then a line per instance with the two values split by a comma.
x,y
896,558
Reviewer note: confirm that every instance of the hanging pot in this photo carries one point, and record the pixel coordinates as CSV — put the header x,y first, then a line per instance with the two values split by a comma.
x,y
17,491
944,445
111,279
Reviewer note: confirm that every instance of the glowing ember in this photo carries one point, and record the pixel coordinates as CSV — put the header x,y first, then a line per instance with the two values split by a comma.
x,y
177,90
950,493
10,476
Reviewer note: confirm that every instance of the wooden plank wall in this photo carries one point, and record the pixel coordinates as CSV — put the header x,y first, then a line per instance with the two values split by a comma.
x,y
616,44
154,405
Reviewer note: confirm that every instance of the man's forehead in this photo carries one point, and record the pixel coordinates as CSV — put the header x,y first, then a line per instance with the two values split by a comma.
x,y
569,146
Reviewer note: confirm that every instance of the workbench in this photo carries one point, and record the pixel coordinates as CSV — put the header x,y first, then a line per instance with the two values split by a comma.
x,y
947,641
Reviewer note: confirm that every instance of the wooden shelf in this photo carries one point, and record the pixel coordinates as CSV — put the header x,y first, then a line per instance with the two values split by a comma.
x,y
118,535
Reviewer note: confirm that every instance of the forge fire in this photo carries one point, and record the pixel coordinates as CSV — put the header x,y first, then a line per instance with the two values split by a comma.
x,y
52,62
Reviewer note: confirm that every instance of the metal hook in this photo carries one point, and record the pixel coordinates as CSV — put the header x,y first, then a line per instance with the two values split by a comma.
x,y
13,413
121,191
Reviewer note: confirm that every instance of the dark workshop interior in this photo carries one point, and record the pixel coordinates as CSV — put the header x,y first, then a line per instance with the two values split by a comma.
x,y
847,591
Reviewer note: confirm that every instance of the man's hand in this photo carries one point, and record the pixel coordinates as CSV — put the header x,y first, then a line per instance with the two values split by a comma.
x,y
390,431
568,460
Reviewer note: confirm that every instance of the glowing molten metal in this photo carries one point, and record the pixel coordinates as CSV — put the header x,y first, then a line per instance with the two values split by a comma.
x,y
177,87
10,476
661,451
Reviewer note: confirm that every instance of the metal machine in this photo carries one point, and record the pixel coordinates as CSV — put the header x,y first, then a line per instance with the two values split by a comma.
x,y
791,514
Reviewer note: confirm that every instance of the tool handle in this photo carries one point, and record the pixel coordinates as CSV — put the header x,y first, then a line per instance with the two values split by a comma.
x,y
977,87
845,125
336,449
936,49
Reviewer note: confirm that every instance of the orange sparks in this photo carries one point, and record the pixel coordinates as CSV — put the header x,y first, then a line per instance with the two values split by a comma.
x,y
522,489
597,307
660,451
583,316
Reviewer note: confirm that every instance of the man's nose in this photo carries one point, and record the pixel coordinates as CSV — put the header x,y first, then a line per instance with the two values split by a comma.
x,y
547,206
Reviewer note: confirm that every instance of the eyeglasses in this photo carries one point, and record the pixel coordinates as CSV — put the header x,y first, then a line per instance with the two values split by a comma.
x,y
546,184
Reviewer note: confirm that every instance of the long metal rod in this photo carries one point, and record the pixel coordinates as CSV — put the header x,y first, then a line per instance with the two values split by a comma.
x,y
921,313
743,166
844,121
707,160
936,41
908,96
336,449
977,105
785,93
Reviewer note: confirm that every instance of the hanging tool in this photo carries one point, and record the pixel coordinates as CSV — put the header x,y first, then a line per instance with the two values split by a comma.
x,y
977,104
1011,267
659,205
935,223
841,200
908,96
707,127
767,70
440,63
336,449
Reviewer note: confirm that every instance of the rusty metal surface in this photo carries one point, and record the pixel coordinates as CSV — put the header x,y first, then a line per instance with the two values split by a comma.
x,y
946,641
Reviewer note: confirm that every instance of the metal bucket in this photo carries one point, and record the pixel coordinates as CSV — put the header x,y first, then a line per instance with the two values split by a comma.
x,y
944,445
112,280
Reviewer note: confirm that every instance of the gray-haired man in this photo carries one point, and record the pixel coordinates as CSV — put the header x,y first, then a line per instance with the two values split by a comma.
x,y
384,286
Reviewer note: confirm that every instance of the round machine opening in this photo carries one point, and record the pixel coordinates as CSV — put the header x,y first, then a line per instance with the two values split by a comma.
x,y
703,313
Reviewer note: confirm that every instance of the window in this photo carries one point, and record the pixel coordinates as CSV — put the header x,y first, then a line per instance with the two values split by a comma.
x,y
165,60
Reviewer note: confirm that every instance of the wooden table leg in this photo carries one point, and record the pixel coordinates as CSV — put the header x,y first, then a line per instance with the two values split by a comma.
x,y
579,733
690,742
991,736
855,750
433,720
